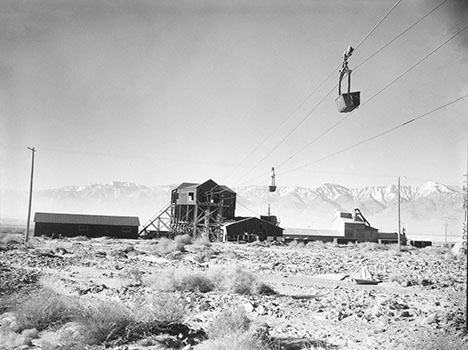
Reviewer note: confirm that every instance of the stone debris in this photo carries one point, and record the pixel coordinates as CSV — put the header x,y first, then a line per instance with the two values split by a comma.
x,y
422,288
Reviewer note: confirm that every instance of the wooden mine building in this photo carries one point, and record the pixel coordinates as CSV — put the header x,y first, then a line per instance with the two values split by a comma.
x,y
201,208
208,210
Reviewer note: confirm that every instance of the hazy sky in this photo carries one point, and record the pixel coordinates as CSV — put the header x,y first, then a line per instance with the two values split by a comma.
x,y
162,92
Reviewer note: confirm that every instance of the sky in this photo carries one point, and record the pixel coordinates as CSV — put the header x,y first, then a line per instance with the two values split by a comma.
x,y
164,92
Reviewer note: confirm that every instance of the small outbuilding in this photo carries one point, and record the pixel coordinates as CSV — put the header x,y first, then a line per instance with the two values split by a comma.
x,y
70,225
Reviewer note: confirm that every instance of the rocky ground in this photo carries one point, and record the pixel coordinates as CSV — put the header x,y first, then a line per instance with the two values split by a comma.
x,y
419,304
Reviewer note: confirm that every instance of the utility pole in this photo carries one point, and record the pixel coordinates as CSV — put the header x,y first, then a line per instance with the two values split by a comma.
x,y
26,236
399,216
465,239
446,226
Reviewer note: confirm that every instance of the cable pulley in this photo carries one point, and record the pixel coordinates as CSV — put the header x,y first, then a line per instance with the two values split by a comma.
x,y
349,101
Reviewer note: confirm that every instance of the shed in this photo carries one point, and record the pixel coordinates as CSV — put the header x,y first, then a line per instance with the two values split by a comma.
x,y
71,225
249,229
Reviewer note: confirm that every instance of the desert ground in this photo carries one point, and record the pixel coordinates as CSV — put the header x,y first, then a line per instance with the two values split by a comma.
x,y
80,293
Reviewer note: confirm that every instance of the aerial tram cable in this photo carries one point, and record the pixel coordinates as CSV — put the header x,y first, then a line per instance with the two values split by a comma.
x,y
401,34
321,101
425,115
377,93
378,23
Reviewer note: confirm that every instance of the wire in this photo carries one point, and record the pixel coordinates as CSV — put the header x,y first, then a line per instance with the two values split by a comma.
x,y
284,122
378,93
401,34
289,134
378,23
380,134
319,103
242,205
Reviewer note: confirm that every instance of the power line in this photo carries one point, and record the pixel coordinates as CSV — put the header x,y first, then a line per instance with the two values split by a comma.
x,y
378,23
289,134
318,104
242,205
285,120
380,134
401,34
377,93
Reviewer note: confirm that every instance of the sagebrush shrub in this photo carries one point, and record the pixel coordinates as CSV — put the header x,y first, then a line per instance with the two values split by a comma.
x,y
163,308
185,239
202,242
43,309
166,246
196,282
103,322
241,282
228,322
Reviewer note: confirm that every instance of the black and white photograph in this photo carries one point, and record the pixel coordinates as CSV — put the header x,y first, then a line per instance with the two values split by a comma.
x,y
233,174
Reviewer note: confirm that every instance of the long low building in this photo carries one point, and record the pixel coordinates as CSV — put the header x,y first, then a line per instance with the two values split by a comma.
x,y
346,228
250,229
71,225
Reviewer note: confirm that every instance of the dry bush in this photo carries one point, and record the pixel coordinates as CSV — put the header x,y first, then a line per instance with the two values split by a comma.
x,y
230,330
43,309
232,280
202,242
184,280
240,281
103,322
229,321
166,246
185,239
162,308
195,282
204,255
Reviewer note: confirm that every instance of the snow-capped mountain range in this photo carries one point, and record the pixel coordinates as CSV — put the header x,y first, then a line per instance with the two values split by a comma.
x,y
424,208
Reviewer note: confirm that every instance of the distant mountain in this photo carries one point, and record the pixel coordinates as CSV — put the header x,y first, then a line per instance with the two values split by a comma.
x,y
424,208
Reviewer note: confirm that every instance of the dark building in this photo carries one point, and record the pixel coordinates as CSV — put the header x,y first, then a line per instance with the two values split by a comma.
x,y
71,225
208,210
201,207
250,229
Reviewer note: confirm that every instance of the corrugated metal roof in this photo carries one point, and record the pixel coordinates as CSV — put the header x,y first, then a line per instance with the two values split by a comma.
x,y
238,220
191,185
81,219
186,185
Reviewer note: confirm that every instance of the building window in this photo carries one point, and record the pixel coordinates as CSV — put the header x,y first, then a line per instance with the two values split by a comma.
x,y
126,229
83,228
191,196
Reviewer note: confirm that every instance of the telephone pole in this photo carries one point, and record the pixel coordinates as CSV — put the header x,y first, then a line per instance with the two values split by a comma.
x,y
465,239
399,215
26,236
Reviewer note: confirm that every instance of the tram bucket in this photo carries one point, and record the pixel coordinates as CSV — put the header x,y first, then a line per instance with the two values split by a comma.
x,y
348,102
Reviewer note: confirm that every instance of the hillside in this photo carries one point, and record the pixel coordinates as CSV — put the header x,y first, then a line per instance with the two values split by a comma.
x,y
424,208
